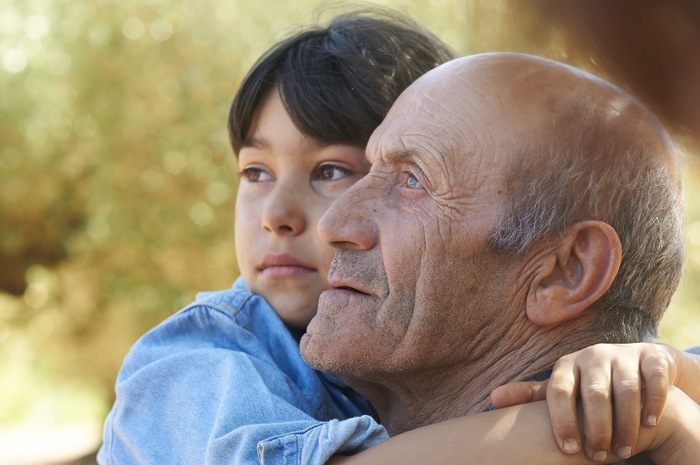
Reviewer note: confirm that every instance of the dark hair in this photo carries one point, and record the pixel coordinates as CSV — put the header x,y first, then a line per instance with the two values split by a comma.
x,y
338,82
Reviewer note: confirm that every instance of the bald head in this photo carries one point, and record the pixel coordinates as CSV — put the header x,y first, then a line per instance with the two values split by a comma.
x,y
527,96
569,147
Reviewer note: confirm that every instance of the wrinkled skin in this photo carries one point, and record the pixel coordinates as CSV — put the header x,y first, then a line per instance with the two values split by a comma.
x,y
423,317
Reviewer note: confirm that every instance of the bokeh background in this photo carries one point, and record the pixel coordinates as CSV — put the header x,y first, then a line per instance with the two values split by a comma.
x,y
117,182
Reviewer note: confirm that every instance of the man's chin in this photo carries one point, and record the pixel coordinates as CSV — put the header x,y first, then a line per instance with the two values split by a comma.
x,y
303,344
310,352
317,353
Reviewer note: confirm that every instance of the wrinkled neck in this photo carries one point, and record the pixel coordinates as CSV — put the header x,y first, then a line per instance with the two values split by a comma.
x,y
408,401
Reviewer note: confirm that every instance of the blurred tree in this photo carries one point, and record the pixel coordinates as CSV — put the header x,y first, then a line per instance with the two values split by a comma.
x,y
116,178
115,171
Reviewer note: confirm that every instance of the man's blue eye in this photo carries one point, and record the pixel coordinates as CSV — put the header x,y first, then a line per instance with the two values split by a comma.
x,y
412,182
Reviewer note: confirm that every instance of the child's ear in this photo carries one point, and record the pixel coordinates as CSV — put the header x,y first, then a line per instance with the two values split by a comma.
x,y
578,271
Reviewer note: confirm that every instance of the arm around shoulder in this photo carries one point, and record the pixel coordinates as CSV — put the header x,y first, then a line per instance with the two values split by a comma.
x,y
519,434
522,434
688,370
676,439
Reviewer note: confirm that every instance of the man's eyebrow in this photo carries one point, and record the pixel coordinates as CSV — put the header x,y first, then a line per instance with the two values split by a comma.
x,y
398,156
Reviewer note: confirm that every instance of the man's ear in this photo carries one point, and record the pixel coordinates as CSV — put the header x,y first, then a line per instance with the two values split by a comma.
x,y
578,271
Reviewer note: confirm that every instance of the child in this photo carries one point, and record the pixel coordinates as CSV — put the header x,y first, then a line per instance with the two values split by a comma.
x,y
217,378
210,382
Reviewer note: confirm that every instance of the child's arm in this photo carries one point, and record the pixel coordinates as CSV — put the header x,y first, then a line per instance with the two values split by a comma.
x,y
522,434
627,372
678,439
688,370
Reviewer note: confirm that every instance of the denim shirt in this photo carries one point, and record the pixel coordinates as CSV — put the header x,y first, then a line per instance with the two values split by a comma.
x,y
693,350
223,382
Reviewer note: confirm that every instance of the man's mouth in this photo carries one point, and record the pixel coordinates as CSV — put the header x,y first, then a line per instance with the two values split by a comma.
x,y
349,287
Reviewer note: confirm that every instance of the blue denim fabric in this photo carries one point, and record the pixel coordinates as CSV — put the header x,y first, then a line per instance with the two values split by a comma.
x,y
693,350
223,382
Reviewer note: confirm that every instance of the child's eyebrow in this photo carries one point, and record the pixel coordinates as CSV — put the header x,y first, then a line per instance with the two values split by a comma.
x,y
254,142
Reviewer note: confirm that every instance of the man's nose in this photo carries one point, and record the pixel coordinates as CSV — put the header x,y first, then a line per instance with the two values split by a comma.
x,y
284,212
349,221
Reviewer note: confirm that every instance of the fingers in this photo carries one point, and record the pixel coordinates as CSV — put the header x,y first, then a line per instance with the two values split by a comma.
x,y
657,371
561,401
632,378
626,385
597,409
518,393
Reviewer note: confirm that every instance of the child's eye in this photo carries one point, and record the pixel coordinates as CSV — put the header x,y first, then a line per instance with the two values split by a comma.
x,y
255,175
331,173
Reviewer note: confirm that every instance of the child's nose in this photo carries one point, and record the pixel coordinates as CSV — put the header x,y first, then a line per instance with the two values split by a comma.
x,y
284,212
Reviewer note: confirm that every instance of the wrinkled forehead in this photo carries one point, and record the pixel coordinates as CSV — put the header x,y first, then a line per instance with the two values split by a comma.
x,y
476,114
453,140
448,116
415,124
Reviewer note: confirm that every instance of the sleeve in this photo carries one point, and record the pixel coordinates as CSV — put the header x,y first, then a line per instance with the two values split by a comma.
x,y
318,443
186,396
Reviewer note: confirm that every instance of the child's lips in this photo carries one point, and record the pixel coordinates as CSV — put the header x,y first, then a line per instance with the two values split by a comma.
x,y
285,271
284,265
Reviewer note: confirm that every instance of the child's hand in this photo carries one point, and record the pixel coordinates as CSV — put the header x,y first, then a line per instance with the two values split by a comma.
x,y
633,376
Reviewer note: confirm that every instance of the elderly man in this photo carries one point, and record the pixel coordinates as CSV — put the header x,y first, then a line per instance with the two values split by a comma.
x,y
517,210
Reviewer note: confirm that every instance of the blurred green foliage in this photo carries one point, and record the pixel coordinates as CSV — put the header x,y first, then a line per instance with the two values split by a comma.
x,y
117,183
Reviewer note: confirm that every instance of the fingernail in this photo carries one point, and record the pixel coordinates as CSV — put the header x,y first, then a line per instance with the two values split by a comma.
x,y
651,420
624,452
571,446
600,456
